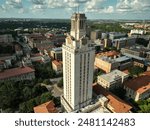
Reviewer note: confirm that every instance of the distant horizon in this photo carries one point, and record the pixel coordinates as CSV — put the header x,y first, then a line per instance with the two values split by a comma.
x,y
70,17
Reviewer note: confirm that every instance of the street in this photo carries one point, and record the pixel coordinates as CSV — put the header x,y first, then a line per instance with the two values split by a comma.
x,y
57,92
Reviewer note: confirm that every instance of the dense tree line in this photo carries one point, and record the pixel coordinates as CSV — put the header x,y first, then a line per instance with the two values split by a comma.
x,y
135,71
22,96
27,107
44,71
109,27
34,24
142,41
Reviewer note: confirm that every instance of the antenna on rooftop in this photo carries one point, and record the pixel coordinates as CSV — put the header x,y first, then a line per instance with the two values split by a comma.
x,y
78,6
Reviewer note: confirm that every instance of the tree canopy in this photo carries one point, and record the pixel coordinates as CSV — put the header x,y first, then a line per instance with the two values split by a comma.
x,y
142,41
44,71
109,27
14,93
136,71
144,105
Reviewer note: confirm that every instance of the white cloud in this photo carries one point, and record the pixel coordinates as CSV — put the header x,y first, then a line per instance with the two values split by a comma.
x,y
97,7
89,6
109,9
93,4
41,7
14,4
38,5
23,10
55,3
133,5
45,4
66,4
69,5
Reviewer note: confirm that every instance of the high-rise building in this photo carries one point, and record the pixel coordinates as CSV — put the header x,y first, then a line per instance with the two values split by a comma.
x,y
78,66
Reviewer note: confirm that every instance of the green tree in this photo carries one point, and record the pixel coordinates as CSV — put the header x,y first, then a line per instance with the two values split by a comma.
x,y
8,110
109,27
27,93
45,97
30,105
136,71
23,107
97,73
38,100
142,41
57,102
9,95
38,90
44,71
144,106
46,81
22,95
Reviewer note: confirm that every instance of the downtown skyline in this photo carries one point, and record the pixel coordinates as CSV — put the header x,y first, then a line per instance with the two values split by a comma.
x,y
62,9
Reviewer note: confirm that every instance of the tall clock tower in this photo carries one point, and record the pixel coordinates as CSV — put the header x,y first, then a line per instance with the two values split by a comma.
x,y
78,25
78,66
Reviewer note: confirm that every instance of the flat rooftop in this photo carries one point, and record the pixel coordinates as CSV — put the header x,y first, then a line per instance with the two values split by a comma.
x,y
57,49
107,59
101,110
137,48
133,56
122,58
124,38
112,76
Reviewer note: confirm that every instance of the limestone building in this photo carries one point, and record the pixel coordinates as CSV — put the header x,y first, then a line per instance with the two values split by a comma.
x,y
78,65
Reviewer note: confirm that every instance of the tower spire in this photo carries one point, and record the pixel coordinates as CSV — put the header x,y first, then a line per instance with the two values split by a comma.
x,y
78,6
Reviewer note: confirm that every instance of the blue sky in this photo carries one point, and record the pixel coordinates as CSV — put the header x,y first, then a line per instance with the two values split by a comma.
x,y
94,9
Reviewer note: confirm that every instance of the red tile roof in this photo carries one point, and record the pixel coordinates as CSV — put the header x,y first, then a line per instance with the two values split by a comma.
x,y
48,107
39,61
15,72
108,54
6,56
147,73
126,71
118,104
57,63
36,55
140,84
